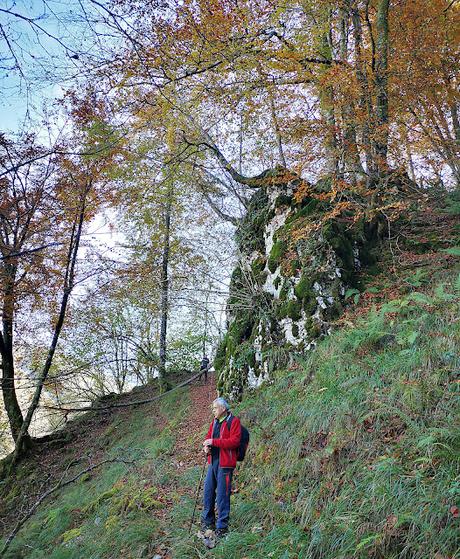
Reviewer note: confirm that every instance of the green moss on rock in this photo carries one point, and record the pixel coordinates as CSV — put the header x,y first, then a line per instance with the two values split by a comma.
x,y
284,290
290,309
221,351
294,266
324,184
283,200
309,305
277,252
245,356
304,288
312,328
241,328
314,257
250,233
341,241
236,280
309,207
333,310
258,266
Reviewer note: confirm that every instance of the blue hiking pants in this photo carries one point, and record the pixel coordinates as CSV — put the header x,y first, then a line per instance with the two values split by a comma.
x,y
218,480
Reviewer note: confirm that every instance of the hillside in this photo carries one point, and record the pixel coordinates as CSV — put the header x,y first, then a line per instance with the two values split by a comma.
x,y
149,464
266,190
354,451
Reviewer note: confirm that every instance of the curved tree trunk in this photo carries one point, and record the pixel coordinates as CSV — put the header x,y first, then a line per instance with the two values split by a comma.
x,y
74,245
15,417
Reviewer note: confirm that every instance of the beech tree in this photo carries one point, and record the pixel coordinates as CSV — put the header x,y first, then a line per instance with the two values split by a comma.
x,y
320,87
161,260
46,202
219,98
32,226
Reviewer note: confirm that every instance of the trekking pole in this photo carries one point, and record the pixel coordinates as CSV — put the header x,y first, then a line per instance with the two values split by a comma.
x,y
198,492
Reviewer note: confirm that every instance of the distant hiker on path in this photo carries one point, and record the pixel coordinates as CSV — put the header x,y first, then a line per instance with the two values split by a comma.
x,y
204,368
221,446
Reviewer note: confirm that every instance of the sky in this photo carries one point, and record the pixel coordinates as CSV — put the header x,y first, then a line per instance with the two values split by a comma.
x,y
38,50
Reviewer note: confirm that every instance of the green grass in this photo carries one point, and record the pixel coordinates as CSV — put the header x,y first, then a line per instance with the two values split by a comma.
x,y
361,451
110,513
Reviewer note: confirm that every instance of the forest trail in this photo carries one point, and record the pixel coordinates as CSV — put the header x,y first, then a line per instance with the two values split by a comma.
x,y
187,454
189,434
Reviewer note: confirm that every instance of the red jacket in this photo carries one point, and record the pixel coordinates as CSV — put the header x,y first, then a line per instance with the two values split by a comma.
x,y
228,442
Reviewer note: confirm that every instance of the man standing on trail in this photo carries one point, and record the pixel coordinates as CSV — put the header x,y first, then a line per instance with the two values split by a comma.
x,y
221,446
204,368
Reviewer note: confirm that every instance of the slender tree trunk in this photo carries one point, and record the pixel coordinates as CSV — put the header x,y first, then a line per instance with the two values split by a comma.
x,y
68,286
365,103
240,150
406,142
15,417
381,87
331,143
165,285
351,163
205,333
279,141
410,162
327,104
13,410
455,122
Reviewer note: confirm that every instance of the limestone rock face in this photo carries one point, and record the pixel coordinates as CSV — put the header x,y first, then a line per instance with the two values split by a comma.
x,y
289,285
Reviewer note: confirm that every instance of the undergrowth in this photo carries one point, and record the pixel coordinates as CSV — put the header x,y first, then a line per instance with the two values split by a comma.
x,y
111,512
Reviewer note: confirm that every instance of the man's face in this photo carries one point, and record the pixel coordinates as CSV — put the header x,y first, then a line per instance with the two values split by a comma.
x,y
218,410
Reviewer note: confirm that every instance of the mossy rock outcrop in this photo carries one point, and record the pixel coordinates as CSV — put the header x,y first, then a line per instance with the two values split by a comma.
x,y
290,282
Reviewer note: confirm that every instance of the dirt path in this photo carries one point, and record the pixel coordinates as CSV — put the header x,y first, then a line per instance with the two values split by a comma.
x,y
188,451
192,429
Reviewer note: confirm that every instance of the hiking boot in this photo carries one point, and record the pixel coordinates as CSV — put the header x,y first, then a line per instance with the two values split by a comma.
x,y
204,526
221,533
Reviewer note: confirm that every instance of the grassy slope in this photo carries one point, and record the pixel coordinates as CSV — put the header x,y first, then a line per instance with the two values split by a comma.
x,y
358,455
113,511
354,454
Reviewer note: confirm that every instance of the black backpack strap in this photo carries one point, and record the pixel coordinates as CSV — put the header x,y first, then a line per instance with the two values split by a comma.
x,y
229,421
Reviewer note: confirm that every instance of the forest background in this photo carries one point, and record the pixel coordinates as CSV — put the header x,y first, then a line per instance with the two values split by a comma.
x,y
167,117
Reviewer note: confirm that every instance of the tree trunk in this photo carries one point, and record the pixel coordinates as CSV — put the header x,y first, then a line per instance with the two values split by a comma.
x,y
351,163
365,103
327,104
381,87
15,417
205,333
455,122
165,286
13,410
456,126
279,141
